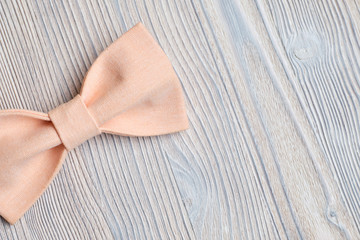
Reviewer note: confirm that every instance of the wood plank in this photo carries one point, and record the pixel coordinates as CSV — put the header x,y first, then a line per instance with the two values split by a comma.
x,y
271,90
322,54
296,185
252,166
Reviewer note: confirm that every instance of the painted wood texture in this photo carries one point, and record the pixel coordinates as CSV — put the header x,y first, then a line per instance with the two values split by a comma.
x,y
271,89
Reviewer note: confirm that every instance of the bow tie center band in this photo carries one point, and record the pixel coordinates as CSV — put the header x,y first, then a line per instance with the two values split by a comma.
x,y
130,90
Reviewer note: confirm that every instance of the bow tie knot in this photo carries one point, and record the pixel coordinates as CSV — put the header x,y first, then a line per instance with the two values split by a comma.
x,y
73,123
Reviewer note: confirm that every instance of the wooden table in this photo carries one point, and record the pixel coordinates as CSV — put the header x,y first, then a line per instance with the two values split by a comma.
x,y
272,93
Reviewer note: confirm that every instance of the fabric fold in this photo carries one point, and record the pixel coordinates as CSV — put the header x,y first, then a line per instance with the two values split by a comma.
x,y
130,90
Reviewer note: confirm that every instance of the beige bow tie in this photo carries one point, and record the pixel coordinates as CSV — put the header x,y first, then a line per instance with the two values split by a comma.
x,y
130,90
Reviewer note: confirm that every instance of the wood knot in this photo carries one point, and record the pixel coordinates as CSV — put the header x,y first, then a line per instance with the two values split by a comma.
x,y
305,46
303,53
187,202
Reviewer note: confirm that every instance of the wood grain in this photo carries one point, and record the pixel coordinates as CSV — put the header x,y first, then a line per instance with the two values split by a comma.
x,y
271,90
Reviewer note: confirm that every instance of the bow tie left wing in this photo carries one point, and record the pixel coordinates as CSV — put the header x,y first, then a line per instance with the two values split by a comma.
x,y
30,156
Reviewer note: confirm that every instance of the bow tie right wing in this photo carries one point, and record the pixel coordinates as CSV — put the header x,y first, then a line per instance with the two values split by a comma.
x,y
132,89
30,156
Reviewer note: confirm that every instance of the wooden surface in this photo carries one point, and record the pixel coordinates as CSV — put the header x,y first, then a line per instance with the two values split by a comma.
x,y
272,91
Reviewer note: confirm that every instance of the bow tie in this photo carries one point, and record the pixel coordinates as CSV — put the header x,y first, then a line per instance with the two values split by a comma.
x,y
130,90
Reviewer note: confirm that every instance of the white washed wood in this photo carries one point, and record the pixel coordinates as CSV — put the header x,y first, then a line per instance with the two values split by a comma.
x,y
261,159
286,189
